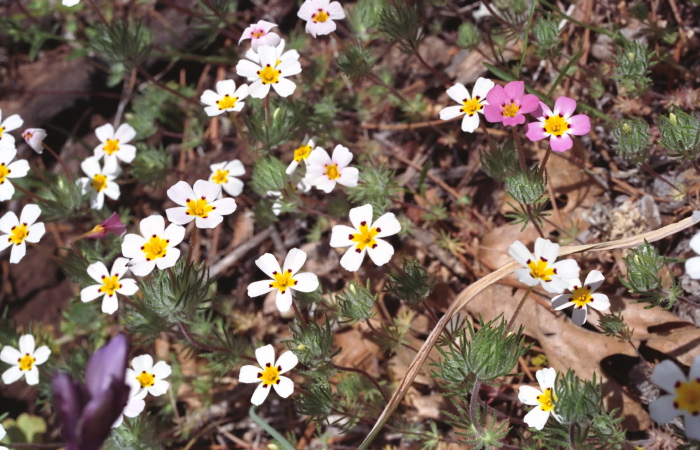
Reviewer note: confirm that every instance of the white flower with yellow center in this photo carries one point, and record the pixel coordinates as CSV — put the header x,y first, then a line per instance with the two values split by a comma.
x,y
260,34
155,248
365,238
320,16
269,374
9,169
582,296
34,137
151,378
300,154
110,284
324,171
114,145
683,396
11,123
269,69
17,231
542,398
226,98
200,203
136,403
226,175
24,361
540,268
282,55
469,105
284,279
100,180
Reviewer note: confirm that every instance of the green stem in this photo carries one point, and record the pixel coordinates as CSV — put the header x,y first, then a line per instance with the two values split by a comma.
x,y
286,445
511,322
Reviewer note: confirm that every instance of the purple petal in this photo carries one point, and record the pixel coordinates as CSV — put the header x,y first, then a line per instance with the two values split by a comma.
x,y
107,365
529,103
514,90
535,131
100,413
561,143
565,106
68,400
579,124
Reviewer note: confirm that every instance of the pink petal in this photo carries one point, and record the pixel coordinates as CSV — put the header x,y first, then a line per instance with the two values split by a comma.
x,y
514,90
519,119
496,97
561,143
535,131
529,103
492,113
579,124
564,106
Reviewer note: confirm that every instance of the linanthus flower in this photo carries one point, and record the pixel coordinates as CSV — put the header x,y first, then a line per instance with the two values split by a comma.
x,y
509,104
284,279
582,296
226,98
364,237
24,361
155,248
136,403
683,396
9,169
558,124
541,268
300,154
269,70
9,124
70,2
100,180
200,203
226,175
692,265
112,225
34,137
282,55
470,105
114,145
324,172
269,374
2,436
111,284
151,377
17,231
320,16
541,398
260,34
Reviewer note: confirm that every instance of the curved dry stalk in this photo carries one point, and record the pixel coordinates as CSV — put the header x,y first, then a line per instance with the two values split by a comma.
x,y
480,285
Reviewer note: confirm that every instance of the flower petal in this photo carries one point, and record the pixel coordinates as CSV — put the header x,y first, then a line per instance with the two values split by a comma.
x,y
528,395
666,374
110,304
249,374
662,410
561,302
535,131
90,293
482,87
97,271
265,355
259,288
458,93
546,378
125,133
142,363
341,156
12,374
174,234
564,106
306,282
268,264
579,315
294,261
352,260
579,125
470,123
387,224
600,302
151,225
285,387
528,104
180,192
536,418
382,253
104,132
26,344
450,112
514,90
284,87
260,394
287,361
340,236
561,143
520,253
41,355
159,388
361,214
10,355
283,300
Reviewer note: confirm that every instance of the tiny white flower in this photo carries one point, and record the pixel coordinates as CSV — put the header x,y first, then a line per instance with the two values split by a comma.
x,y
683,398
70,2
692,265
114,145
284,279
269,374
470,105
260,34
2,435
226,175
9,169
24,361
17,231
34,137
11,123
136,403
267,69
581,296
324,172
320,16
541,268
100,180
151,378
111,283
300,154
155,248
365,238
541,398
201,204
226,98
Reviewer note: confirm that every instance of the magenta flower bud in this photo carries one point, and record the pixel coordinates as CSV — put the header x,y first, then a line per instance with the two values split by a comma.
x,y
34,137
112,225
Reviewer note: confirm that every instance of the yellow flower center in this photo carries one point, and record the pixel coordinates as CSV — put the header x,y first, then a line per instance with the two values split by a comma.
x,y
471,106
283,281
688,396
200,208
269,74
319,17
555,125
365,238
258,34
541,269
4,172
146,379
110,284
227,102
2,130
332,171
545,400
220,176
155,248
511,110
270,375
111,146
19,233
99,182
26,362
302,153
581,296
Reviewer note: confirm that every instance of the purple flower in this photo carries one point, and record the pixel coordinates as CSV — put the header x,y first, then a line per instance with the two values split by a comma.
x,y
558,124
89,410
112,225
509,104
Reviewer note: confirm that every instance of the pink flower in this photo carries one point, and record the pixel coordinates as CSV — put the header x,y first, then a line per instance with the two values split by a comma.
x,y
259,34
320,16
112,225
509,104
558,124
35,138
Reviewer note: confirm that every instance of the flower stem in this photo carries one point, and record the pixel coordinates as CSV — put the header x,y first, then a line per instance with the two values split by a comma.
x,y
473,405
521,152
544,160
266,107
60,161
298,313
29,194
239,129
368,376
511,322
489,139
437,74
271,431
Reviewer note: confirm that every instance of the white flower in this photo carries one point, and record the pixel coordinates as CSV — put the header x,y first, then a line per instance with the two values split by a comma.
x,y
136,403
692,265
9,169
320,16
17,231
279,51
284,279
323,171
201,204
582,296
226,98
269,374
111,283
301,154
259,34
34,137
70,2
11,123
151,378
470,106
24,361
226,173
269,71
99,181
683,397
541,398
541,268
2,435
114,145
155,247
364,238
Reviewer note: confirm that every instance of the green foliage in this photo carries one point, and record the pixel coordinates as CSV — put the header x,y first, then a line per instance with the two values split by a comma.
x,y
125,43
155,108
468,36
411,285
502,163
285,122
523,214
89,251
576,401
152,165
317,402
680,134
526,187
313,342
613,324
355,61
393,335
364,16
546,32
483,436
139,434
377,187
268,175
61,199
644,264
400,21
633,141
356,302
633,62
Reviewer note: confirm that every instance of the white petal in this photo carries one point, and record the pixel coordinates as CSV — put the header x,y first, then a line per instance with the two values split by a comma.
x,y
125,133
131,245
35,232
318,157
265,355
458,93
450,112
169,259
27,344
470,123
594,279
126,153
259,288
287,361
348,177
210,98
11,375
555,285
224,87
152,225
295,260
340,236
110,304
249,374
306,282
212,111
90,293
341,156
260,394
211,221
528,395
546,378
7,190
324,184
129,287
536,418
352,260
206,190
104,132
694,369
178,215
142,268
224,206
666,374
233,187
180,192
382,253
285,387
600,302
520,253
692,267
283,300
32,376
579,315
41,355
97,271
162,370
18,169
174,234
692,426
10,355
268,264
695,243
361,214
482,87
388,225
566,269
142,363
247,69
284,87
8,221
259,90
159,388
561,302
13,122
235,168
544,248
662,410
